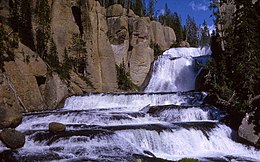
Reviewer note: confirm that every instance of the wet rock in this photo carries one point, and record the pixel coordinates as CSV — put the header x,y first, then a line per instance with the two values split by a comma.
x,y
246,130
12,138
9,117
57,127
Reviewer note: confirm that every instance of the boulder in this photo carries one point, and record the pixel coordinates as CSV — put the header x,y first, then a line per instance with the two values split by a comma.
x,y
55,91
57,127
12,138
24,84
246,130
9,117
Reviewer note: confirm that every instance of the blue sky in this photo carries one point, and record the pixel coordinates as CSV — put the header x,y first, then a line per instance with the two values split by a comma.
x,y
195,8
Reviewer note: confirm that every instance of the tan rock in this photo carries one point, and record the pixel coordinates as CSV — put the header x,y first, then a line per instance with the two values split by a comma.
x,y
24,85
170,37
36,65
164,36
158,33
55,91
141,56
63,25
78,85
100,59
115,10
75,89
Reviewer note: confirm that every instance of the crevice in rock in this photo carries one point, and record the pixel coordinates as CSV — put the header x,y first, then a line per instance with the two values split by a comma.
x,y
40,80
76,11
11,4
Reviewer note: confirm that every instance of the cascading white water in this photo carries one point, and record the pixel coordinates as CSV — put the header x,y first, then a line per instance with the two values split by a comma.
x,y
176,70
123,127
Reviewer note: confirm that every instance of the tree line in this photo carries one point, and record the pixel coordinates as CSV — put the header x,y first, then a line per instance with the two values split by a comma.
x,y
234,72
191,32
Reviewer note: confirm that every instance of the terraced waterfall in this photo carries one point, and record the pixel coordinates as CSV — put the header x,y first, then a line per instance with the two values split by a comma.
x,y
167,122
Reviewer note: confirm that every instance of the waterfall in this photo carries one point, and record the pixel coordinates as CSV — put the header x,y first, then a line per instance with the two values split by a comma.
x,y
160,124
176,70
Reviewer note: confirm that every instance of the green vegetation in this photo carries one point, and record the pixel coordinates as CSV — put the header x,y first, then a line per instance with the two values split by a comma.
x,y
192,32
21,21
234,72
157,51
205,35
6,52
79,59
43,30
123,79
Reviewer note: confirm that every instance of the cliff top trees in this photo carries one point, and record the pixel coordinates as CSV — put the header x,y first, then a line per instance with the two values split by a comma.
x,y
192,31
205,35
236,72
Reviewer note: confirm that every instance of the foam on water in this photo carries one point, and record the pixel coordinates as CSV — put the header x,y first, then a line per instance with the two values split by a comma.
x,y
114,127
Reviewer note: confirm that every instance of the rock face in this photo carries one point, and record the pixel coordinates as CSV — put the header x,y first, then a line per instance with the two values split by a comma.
x,y
246,130
12,138
131,39
111,37
57,127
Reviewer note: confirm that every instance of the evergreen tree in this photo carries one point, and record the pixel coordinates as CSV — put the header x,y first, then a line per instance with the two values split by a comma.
x,y
79,47
151,9
14,15
184,33
52,56
138,7
205,35
192,32
43,28
25,24
176,25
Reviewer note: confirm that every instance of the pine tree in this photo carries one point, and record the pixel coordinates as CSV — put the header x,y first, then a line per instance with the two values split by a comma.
x,y
177,27
79,47
205,35
138,7
151,9
192,32
43,28
25,24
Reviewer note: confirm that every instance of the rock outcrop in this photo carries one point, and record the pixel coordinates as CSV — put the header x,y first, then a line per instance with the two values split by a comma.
x,y
132,38
111,36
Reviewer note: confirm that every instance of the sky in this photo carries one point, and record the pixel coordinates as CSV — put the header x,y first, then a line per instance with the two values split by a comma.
x,y
199,9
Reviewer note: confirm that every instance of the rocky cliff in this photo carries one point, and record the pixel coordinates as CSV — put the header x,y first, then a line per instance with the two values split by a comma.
x,y
111,36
